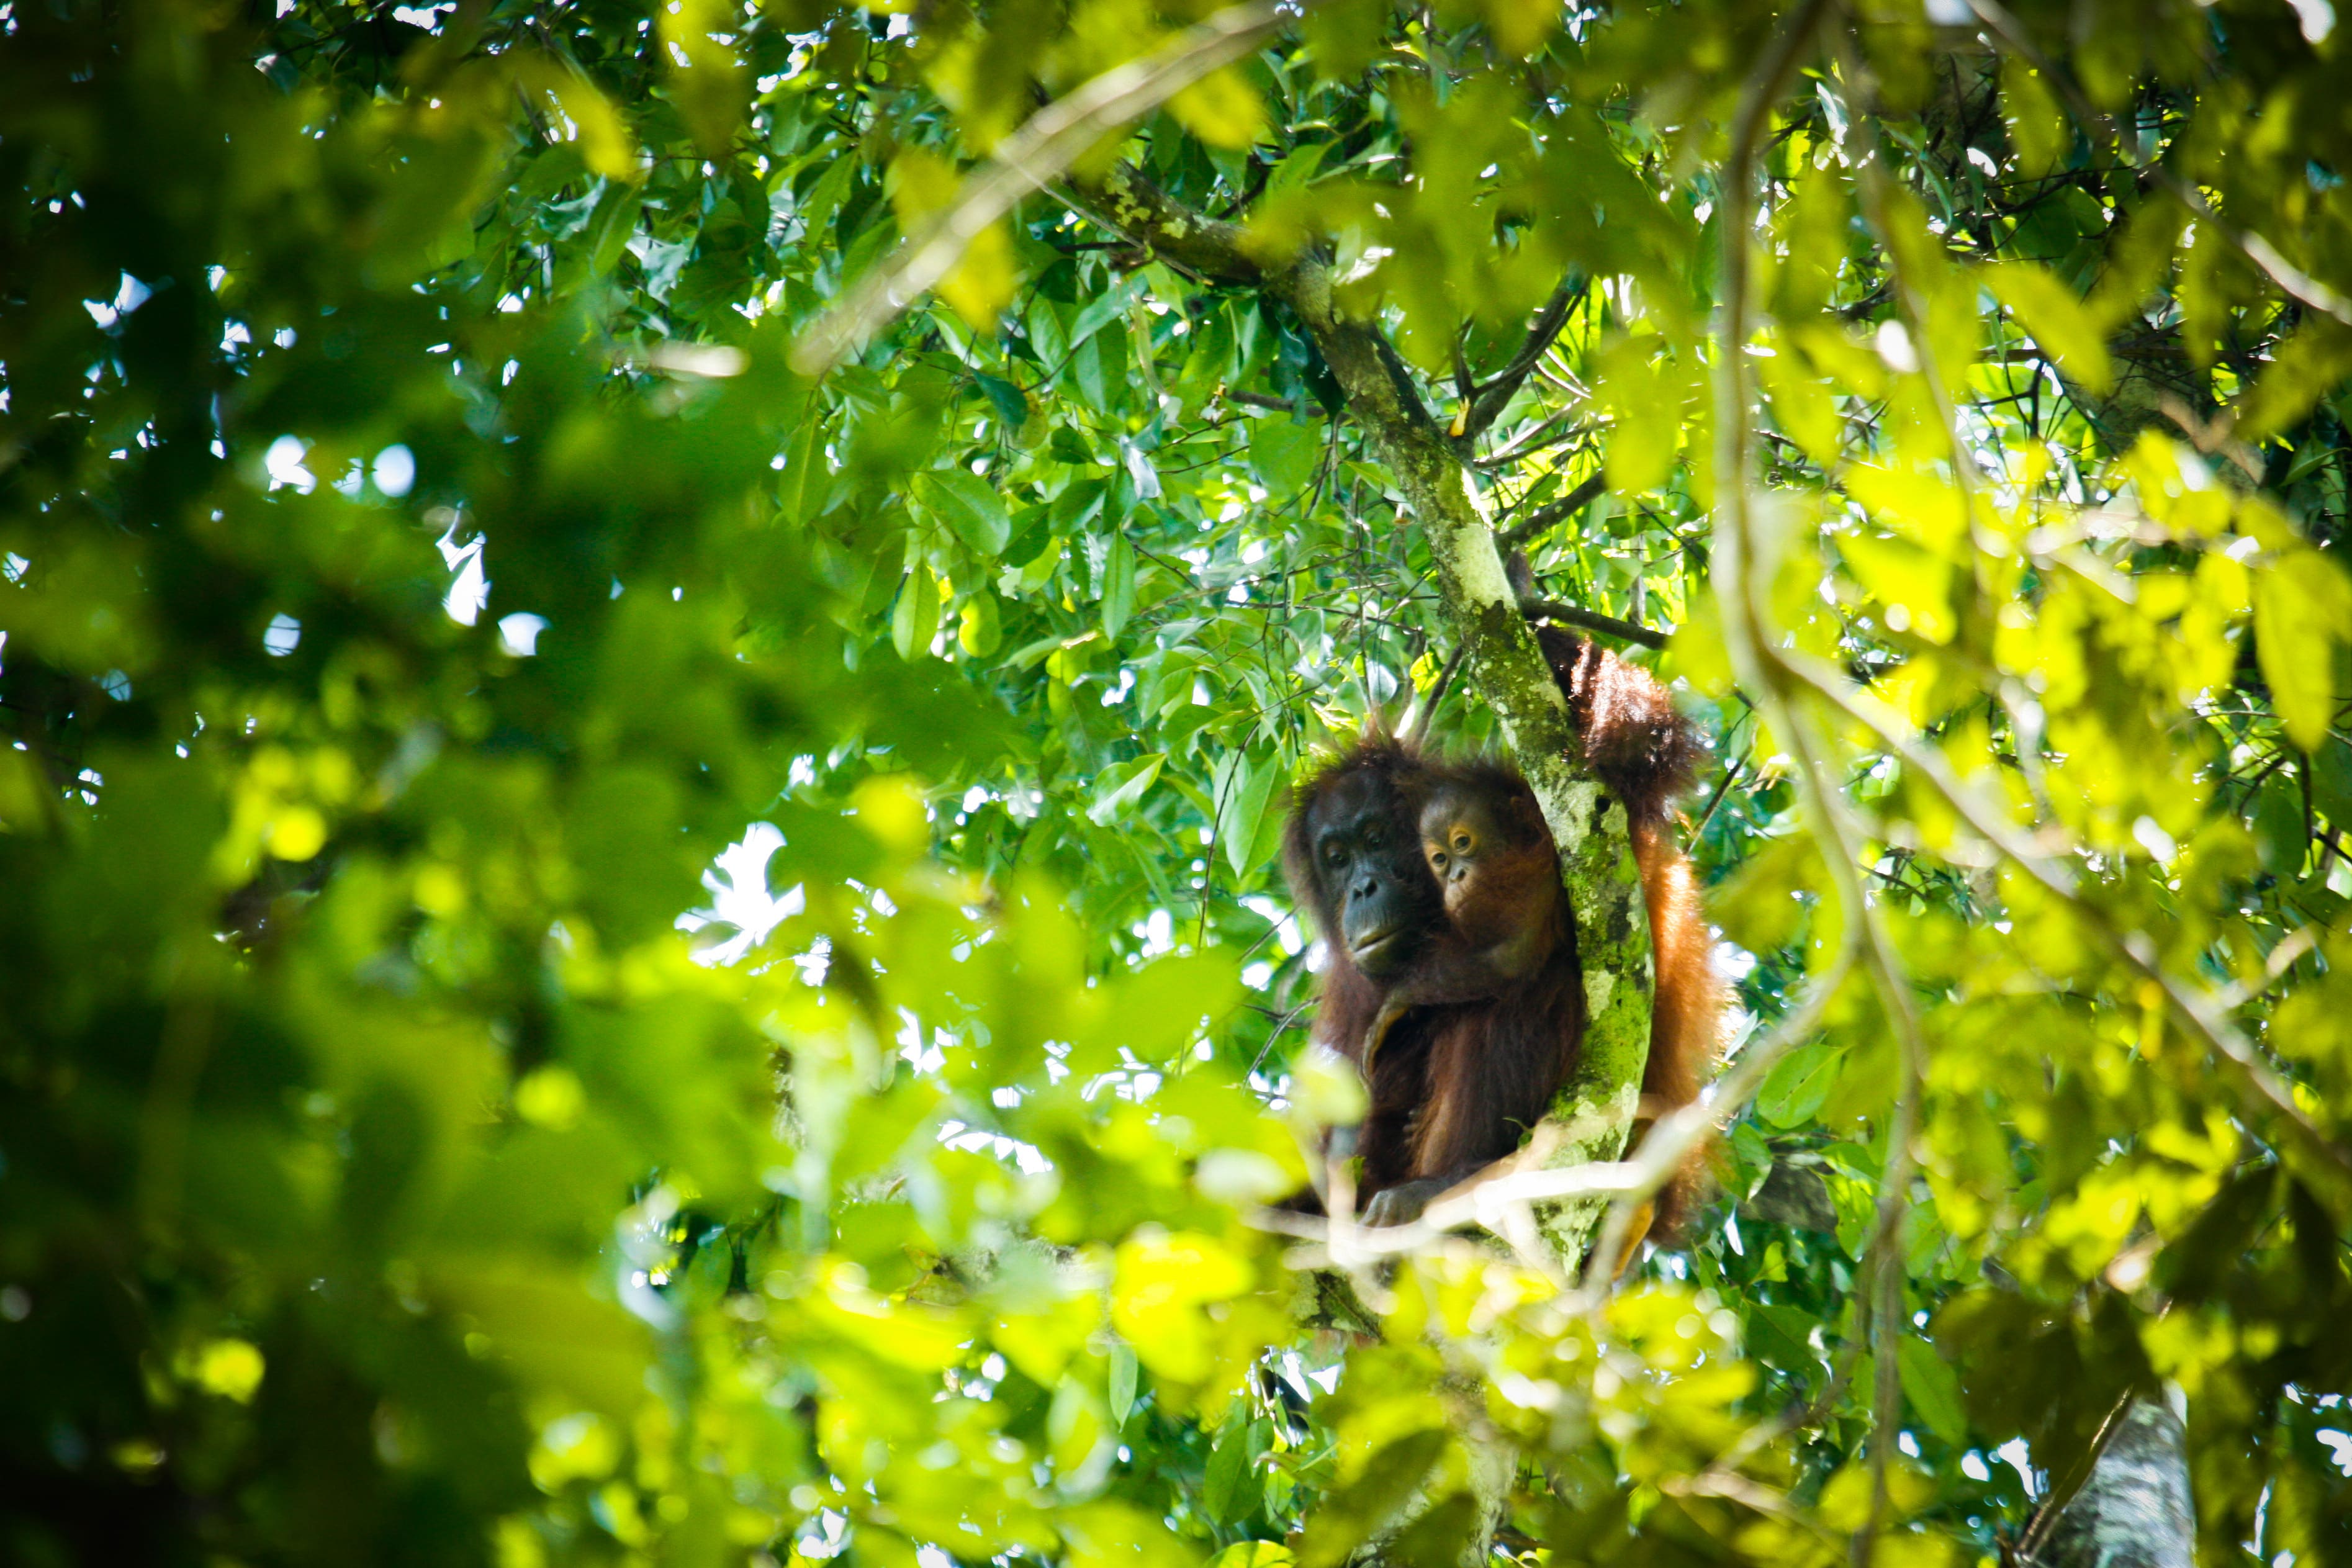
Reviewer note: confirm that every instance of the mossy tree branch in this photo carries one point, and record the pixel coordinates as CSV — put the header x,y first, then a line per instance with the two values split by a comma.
x,y
1594,1111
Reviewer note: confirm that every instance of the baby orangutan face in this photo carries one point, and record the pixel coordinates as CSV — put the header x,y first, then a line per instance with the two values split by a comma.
x,y
1499,877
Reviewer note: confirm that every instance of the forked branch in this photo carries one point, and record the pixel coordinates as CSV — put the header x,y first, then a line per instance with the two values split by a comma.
x,y
1486,401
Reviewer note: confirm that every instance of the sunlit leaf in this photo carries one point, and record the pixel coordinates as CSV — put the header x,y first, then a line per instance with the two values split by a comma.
x,y
969,506
2302,614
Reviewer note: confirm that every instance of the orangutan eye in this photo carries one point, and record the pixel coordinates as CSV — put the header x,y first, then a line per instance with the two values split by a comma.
x,y
1437,859
1461,842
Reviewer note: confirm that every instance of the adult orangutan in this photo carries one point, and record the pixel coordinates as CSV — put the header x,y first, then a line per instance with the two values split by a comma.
x,y
1453,983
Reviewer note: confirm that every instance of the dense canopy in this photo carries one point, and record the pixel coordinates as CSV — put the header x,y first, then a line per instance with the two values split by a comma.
x,y
650,662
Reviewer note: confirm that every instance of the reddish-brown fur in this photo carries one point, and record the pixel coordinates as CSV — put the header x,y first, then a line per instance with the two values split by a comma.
x,y
1468,1050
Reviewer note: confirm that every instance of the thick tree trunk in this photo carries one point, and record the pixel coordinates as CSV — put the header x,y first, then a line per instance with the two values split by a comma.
x,y
1594,1111
2134,1510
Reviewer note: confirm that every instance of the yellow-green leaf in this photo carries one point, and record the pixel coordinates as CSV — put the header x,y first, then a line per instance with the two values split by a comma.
x,y
2036,129
708,86
1221,109
2302,614
1921,506
2057,320
915,621
1914,586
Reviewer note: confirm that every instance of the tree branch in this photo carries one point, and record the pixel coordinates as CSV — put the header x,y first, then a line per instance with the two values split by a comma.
x,y
1591,621
1586,492
1594,1112
1041,151
1126,203
1488,401
1419,732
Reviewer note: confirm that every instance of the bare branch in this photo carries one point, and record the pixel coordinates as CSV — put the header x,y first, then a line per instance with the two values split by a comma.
x,y
1547,434
1586,492
1041,149
1465,386
1591,621
1488,400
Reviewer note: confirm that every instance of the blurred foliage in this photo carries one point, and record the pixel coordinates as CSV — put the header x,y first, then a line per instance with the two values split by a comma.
x,y
610,956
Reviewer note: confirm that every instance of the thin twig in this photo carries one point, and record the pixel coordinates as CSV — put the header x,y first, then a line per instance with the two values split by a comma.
x,y
1544,516
1483,405
1419,732
1536,439
1730,777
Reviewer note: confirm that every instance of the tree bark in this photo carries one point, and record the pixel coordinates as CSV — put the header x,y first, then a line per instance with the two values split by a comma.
x,y
2134,1510
1594,1111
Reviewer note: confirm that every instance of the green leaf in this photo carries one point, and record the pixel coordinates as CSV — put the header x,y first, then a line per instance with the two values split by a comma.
x,y
807,487
1796,1088
1011,403
1344,36
1122,784
1228,1468
1298,167
2036,128
2058,321
1118,586
1914,586
825,197
1254,1554
1244,799
1921,506
1221,109
1803,407
2280,841
1933,1389
2310,365
2303,613
1649,400
1283,453
916,620
1350,1512
2331,783
1123,1374
706,80
1112,305
969,506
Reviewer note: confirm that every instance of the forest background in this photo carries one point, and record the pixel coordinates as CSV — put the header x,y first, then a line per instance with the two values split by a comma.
x,y
649,662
